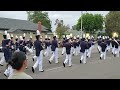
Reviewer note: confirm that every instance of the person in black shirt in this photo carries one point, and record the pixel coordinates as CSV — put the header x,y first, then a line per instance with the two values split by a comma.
x,y
116,50
103,49
68,53
63,43
83,46
39,54
54,46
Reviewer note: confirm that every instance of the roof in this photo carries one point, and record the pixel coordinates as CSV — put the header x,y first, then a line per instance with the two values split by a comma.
x,y
74,32
7,23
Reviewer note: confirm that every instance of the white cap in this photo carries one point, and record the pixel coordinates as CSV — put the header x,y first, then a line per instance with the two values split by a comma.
x,y
11,35
74,37
45,36
30,36
103,37
38,32
77,35
71,35
8,36
24,35
21,38
40,36
5,32
83,35
63,36
88,37
16,36
49,37
68,36
92,37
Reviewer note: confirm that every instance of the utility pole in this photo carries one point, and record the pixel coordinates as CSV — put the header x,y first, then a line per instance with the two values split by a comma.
x,y
81,24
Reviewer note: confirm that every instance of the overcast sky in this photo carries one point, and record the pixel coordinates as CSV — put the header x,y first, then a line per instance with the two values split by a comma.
x,y
69,17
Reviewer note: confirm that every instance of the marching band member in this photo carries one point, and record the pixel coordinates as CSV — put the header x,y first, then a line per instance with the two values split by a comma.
x,y
75,45
7,55
68,53
119,45
46,46
39,53
16,43
89,47
83,46
99,47
103,49
113,45
63,42
3,46
108,44
72,48
54,47
12,44
21,46
24,43
49,41
116,50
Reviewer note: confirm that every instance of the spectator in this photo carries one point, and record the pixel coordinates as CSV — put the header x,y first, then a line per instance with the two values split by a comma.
x,y
19,63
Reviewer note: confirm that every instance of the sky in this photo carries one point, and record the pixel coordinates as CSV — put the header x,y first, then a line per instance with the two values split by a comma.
x,y
69,17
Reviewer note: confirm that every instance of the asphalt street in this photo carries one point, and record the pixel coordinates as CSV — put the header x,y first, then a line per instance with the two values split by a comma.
x,y
93,69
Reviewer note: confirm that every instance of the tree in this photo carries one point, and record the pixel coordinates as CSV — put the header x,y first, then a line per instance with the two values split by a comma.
x,y
36,16
112,22
90,23
61,28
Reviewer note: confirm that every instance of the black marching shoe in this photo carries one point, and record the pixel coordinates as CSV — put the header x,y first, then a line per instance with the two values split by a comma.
x,y
5,75
62,54
64,64
42,71
33,70
70,66
33,59
1,65
49,62
114,55
80,61
100,58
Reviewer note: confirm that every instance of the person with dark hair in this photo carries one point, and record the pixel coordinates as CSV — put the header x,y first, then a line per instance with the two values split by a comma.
x,y
68,53
116,50
18,63
16,44
54,47
7,55
3,46
113,45
12,45
75,47
39,54
63,47
103,49
83,46
99,42
46,47
108,44
89,47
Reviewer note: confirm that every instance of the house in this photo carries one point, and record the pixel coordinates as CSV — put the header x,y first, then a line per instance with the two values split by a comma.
x,y
18,27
